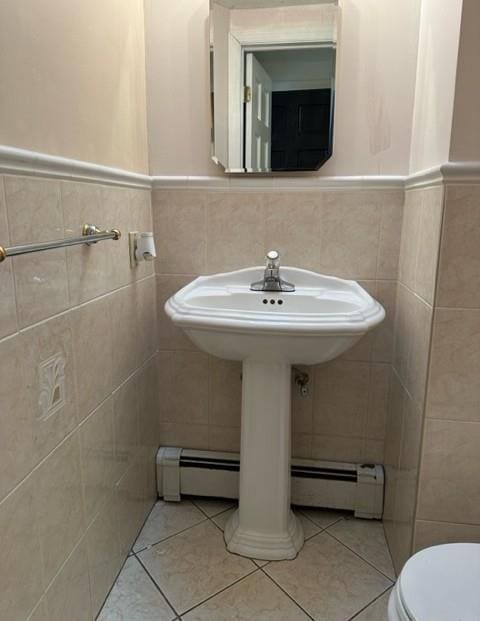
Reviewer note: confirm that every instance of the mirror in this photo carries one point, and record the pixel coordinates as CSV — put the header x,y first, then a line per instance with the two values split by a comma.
x,y
272,84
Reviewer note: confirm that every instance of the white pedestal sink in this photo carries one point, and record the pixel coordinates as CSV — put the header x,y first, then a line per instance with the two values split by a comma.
x,y
270,331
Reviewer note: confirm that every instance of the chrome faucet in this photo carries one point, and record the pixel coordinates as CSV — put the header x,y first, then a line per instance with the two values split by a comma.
x,y
271,278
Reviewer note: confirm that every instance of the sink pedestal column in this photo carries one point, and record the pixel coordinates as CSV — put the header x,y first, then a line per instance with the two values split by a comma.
x,y
264,526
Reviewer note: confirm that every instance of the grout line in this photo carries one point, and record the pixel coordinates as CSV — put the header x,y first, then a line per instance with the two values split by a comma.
x,y
152,545
257,569
129,555
75,307
322,528
210,517
157,586
355,616
71,433
361,557
286,593
110,589
215,524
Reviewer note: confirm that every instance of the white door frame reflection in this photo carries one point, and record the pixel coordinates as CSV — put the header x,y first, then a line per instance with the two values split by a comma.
x,y
234,34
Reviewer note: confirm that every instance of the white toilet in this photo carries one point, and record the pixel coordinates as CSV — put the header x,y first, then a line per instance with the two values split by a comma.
x,y
441,583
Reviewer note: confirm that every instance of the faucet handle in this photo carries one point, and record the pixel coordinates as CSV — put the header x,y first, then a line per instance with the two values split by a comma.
x,y
273,259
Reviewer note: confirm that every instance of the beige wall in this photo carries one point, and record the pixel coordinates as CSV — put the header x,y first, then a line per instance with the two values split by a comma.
x,y
465,144
75,486
375,91
354,234
435,83
72,78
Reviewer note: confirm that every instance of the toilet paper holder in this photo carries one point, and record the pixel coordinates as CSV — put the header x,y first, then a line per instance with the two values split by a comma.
x,y
142,247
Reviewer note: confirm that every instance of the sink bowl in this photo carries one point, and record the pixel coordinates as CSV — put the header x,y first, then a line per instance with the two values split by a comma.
x,y
317,322
268,332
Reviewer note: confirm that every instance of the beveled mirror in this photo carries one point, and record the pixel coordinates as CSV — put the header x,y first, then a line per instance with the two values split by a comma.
x,y
272,84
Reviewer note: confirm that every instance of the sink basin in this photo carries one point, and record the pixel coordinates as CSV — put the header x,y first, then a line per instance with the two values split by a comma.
x,y
268,332
317,322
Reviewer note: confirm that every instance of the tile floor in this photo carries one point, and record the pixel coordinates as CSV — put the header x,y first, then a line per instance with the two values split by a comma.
x,y
179,569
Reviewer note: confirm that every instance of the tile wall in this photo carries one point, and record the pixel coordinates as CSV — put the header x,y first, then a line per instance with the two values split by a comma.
x,y
432,456
78,358
449,490
77,473
420,242
352,234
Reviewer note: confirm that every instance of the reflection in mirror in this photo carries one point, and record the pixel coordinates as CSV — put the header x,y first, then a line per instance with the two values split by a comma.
x,y
272,84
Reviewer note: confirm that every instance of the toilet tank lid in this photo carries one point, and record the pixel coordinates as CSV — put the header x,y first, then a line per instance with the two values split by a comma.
x,y
442,583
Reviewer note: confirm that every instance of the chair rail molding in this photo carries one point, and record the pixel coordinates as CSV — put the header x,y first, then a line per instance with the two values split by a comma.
x,y
31,163
16,161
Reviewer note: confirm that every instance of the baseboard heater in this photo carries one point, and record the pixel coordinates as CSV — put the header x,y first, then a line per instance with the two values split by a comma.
x,y
332,485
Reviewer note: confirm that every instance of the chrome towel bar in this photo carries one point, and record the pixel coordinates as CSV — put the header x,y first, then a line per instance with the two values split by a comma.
x,y
90,235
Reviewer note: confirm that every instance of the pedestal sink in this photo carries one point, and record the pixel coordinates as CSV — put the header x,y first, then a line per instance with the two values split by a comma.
x,y
268,332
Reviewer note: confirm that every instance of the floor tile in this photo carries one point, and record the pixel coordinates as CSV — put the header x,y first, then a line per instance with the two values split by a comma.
x,y
327,580
166,519
134,597
260,563
376,611
213,506
309,528
322,517
222,519
194,565
255,598
366,538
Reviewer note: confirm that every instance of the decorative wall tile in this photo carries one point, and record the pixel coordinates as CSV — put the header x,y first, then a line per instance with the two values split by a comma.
x,y
48,358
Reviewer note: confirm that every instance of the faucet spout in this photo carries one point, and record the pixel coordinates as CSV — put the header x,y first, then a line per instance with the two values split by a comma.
x,y
272,281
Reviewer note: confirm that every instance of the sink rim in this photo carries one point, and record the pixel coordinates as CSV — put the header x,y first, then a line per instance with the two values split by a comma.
x,y
368,313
